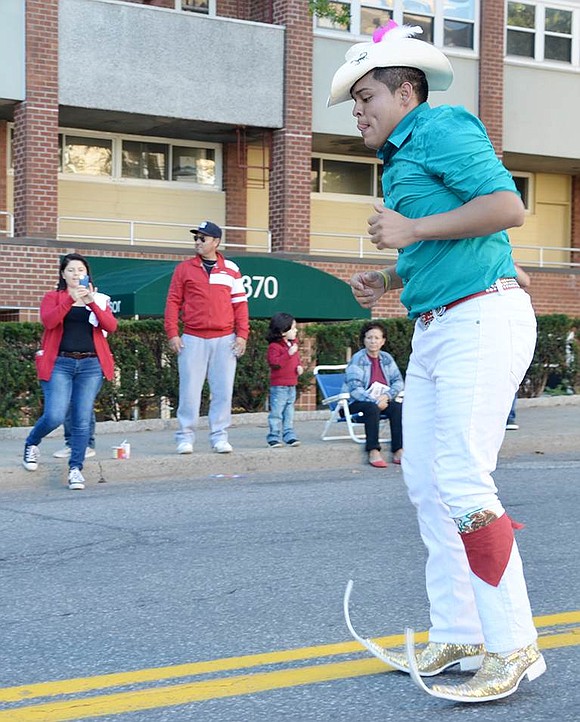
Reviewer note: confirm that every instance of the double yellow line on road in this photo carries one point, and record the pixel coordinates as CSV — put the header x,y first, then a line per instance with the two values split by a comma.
x,y
84,705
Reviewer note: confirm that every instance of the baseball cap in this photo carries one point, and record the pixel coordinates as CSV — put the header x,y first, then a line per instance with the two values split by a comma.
x,y
207,228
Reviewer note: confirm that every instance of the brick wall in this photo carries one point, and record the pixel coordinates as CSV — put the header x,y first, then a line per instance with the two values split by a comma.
x,y
256,10
491,60
291,146
28,269
36,126
235,186
575,218
3,182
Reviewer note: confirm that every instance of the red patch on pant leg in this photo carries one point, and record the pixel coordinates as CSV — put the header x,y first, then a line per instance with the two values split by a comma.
x,y
488,549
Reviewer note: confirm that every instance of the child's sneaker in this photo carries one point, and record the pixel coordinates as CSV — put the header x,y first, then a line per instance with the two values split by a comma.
x,y
274,444
30,458
293,442
76,480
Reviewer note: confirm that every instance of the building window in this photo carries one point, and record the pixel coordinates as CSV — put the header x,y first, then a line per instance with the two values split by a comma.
x,y
345,177
338,9
196,6
540,32
458,23
422,14
558,35
525,183
195,165
446,23
144,160
521,29
85,156
375,15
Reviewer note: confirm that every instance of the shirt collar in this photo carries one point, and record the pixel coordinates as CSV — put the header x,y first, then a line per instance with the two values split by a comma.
x,y
401,132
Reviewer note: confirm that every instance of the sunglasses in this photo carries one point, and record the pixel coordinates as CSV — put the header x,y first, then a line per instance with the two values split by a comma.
x,y
203,239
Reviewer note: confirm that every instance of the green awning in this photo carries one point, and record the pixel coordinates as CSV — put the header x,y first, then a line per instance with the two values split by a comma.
x,y
139,287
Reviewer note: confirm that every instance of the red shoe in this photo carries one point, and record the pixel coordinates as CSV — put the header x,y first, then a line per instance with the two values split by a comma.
x,y
379,464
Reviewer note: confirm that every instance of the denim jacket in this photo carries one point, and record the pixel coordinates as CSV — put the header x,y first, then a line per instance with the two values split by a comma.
x,y
358,376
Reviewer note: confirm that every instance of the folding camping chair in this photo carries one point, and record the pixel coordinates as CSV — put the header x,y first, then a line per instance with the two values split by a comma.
x,y
330,379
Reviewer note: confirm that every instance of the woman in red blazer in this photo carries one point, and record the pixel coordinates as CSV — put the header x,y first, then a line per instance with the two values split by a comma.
x,y
71,363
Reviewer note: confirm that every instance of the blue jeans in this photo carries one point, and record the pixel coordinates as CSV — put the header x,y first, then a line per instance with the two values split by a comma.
x,y
68,426
512,414
281,416
73,383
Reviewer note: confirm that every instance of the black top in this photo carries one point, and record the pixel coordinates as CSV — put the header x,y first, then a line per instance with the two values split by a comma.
x,y
78,332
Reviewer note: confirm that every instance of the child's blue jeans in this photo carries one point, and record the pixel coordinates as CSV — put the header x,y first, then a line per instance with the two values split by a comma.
x,y
281,416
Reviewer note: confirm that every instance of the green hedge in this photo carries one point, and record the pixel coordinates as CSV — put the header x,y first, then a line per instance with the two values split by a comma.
x,y
147,370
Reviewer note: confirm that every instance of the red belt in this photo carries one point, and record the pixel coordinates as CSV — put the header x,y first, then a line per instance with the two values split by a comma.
x,y
507,284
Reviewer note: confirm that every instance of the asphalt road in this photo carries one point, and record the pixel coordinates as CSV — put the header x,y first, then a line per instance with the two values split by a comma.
x,y
122,580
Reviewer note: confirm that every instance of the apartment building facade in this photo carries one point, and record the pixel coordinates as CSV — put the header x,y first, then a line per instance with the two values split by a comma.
x,y
122,124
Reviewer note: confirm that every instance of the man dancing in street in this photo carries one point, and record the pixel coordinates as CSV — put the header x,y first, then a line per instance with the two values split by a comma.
x,y
447,203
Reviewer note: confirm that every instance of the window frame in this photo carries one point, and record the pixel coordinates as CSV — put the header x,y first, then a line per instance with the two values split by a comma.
x,y
116,166
540,34
345,197
398,13
211,12
530,201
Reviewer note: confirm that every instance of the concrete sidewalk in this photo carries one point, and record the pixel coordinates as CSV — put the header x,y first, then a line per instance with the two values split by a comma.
x,y
548,425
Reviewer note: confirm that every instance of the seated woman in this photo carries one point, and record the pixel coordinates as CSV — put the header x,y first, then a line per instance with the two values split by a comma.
x,y
374,381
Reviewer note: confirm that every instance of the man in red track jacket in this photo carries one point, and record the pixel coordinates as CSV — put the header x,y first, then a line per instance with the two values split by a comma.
x,y
206,293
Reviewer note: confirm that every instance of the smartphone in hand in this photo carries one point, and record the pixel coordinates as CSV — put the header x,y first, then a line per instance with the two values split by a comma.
x,y
84,281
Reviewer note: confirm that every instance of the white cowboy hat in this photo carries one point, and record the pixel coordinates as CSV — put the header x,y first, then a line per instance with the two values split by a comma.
x,y
391,46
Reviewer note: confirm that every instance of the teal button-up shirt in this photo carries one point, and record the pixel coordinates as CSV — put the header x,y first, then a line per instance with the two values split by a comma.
x,y
436,160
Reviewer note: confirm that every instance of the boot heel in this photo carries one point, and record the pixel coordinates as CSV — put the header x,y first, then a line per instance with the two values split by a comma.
x,y
536,669
469,664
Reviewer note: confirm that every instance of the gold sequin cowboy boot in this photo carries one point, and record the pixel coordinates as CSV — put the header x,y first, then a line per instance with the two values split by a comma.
x,y
488,541
436,657
499,676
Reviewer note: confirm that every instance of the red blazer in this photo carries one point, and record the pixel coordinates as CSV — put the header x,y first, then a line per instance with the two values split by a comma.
x,y
53,308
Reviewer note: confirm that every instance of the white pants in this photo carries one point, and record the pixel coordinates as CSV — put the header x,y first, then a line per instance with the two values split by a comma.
x,y
465,368
214,358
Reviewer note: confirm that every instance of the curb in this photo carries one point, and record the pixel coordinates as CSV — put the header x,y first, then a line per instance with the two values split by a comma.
x,y
258,418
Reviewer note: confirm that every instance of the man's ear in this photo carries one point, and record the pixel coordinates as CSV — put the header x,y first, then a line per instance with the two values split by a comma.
x,y
406,91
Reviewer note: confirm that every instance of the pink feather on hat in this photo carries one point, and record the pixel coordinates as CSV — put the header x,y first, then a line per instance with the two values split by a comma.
x,y
396,32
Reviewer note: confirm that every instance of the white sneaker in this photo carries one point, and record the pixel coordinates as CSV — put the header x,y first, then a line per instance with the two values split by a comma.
x,y
64,453
184,447
76,480
223,447
512,426
30,458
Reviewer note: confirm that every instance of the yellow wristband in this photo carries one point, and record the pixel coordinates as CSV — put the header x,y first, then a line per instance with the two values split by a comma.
x,y
387,279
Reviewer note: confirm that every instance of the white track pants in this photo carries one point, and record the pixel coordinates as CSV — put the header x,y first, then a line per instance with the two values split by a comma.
x,y
200,358
463,373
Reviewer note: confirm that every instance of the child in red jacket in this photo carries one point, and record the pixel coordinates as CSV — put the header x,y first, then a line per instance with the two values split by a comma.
x,y
285,368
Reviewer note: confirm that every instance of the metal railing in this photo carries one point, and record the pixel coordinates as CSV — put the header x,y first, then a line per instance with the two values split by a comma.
x,y
9,231
541,256
144,233
259,240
